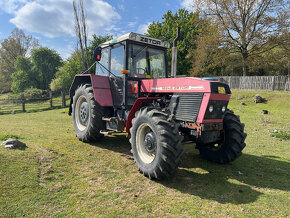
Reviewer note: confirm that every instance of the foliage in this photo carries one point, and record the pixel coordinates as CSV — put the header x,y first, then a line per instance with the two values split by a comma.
x,y
17,44
248,26
167,30
46,62
73,65
207,58
34,93
64,76
25,76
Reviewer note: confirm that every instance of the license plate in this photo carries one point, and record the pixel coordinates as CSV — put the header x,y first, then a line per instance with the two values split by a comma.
x,y
221,90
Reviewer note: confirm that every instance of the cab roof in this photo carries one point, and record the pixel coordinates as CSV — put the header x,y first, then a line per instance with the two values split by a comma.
x,y
137,38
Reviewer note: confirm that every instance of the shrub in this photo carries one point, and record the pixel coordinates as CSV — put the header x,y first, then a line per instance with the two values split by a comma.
x,y
34,93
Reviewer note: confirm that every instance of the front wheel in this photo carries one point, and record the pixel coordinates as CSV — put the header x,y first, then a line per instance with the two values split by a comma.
x,y
156,143
230,148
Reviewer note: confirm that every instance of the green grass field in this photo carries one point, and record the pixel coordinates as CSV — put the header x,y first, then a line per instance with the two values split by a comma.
x,y
57,175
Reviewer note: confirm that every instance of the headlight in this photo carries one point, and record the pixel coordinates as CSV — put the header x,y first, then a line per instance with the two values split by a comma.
x,y
210,108
223,109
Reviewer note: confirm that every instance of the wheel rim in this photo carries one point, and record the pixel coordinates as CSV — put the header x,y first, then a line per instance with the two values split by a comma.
x,y
146,143
82,113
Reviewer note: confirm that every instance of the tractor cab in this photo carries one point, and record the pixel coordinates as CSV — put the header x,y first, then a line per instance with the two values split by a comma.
x,y
134,54
128,60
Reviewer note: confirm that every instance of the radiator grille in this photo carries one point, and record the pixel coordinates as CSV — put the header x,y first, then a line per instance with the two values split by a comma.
x,y
188,106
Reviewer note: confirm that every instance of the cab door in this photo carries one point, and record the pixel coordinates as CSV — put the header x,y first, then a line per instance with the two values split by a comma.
x,y
117,57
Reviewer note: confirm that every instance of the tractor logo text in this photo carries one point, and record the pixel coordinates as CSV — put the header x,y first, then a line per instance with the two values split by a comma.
x,y
167,88
151,41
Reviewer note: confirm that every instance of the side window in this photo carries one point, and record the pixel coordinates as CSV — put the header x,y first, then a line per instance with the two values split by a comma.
x,y
117,60
105,62
157,66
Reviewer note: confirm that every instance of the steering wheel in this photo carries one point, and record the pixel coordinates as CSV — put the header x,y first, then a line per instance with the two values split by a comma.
x,y
139,68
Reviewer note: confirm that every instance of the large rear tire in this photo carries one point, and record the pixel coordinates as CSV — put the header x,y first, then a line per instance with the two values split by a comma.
x,y
232,145
87,115
156,143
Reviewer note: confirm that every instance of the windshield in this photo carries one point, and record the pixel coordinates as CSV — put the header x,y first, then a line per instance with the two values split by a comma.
x,y
147,62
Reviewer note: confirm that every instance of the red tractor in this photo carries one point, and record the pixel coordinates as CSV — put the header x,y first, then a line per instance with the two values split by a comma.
x,y
131,91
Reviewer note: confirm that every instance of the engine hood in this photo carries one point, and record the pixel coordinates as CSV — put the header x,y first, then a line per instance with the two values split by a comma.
x,y
184,85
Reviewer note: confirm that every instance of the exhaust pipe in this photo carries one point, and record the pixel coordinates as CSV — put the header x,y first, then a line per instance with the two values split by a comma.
x,y
174,54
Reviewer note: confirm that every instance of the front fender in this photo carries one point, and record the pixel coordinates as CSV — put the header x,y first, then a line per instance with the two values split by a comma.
x,y
137,105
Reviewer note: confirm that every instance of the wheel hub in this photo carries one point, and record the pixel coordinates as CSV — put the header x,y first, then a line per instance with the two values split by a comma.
x,y
84,112
149,143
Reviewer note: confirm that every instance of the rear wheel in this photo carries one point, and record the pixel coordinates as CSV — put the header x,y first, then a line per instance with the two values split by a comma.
x,y
87,115
230,148
156,143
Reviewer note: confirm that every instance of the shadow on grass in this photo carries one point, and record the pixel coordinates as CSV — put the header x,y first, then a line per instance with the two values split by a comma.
x,y
235,183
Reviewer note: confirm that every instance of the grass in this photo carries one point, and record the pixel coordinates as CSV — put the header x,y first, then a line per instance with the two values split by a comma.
x,y
281,135
57,175
4,137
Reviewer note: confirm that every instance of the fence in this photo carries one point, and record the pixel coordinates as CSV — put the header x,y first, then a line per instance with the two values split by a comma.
x,y
267,83
33,104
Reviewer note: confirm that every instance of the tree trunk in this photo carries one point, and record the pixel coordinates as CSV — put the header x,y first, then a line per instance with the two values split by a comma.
x,y
245,63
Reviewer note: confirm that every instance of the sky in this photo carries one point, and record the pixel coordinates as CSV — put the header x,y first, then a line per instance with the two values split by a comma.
x,y
52,21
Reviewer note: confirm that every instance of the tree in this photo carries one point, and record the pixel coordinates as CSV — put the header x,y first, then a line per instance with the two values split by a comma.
x,y
273,62
81,31
207,58
73,65
64,76
248,25
46,62
17,44
25,77
167,30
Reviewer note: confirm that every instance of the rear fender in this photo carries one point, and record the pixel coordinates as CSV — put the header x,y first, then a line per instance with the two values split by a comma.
x,y
101,89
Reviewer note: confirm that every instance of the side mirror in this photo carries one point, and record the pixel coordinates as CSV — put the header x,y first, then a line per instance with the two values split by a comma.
x,y
97,53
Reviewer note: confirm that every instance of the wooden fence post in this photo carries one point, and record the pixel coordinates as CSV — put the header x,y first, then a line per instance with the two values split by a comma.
x,y
63,98
23,102
50,98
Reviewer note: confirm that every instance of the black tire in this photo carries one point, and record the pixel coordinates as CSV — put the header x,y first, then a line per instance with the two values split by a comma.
x,y
162,158
87,115
232,145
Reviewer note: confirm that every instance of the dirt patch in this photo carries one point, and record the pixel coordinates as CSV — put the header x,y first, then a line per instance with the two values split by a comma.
x,y
45,159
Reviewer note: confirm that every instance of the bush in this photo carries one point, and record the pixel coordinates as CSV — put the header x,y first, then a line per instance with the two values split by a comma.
x,y
34,93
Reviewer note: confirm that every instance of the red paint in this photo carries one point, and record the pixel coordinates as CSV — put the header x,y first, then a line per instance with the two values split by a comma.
x,y
134,87
219,97
204,104
136,107
101,89
176,85
203,107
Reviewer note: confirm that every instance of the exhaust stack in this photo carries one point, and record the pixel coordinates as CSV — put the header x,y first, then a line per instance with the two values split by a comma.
x,y
174,54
